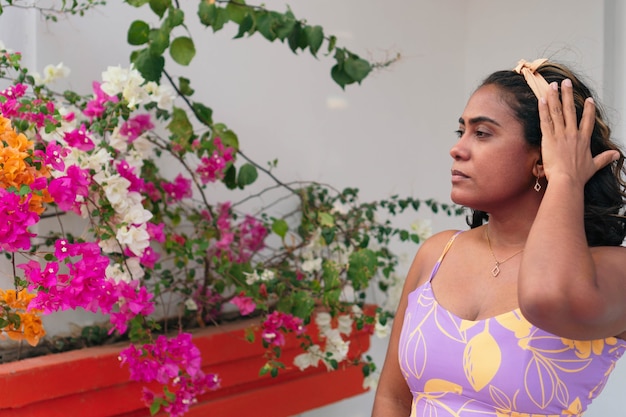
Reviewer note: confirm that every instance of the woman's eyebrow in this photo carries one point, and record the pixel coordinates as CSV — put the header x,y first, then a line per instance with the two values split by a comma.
x,y
478,119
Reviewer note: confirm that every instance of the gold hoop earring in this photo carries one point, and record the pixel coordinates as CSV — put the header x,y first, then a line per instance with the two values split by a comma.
x,y
537,186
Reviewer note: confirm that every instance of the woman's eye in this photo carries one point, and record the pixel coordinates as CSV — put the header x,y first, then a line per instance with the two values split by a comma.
x,y
481,134
459,133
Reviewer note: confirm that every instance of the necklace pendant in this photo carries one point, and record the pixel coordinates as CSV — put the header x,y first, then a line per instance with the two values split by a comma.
x,y
496,270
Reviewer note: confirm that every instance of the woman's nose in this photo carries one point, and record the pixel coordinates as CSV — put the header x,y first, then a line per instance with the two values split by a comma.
x,y
459,150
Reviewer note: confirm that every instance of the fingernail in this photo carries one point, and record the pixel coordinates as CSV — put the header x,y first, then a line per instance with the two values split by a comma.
x,y
567,82
554,86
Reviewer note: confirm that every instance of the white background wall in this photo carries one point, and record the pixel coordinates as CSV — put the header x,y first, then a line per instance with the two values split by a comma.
x,y
391,134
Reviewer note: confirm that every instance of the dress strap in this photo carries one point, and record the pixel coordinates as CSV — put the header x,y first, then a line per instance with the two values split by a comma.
x,y
445,250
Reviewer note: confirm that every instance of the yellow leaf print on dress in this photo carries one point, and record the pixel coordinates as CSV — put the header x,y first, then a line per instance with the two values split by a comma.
x,y
481,359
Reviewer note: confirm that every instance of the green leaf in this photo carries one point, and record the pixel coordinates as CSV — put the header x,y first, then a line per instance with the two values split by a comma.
x,y
332,282
229,138
357,68
230,178
340,77
246,26
159,40
325,219
302,305
362,267
182,50
150,66
237,11
175,17
206,13
203,113
315,37
184,85
137,3
155,407
247,175
212,15
180,126
264,23
160,6
138,33
297,38
280,227
328,233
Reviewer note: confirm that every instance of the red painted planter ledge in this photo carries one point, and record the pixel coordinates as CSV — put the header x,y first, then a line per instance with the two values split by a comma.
x,y
91,383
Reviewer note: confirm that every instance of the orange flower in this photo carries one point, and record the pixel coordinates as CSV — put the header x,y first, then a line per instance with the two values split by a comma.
x,y
30,327
16,166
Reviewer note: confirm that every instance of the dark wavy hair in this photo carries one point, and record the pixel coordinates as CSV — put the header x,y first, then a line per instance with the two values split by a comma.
x,y
605,192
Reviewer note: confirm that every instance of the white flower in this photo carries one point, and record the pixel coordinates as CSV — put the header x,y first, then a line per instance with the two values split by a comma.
x,y
128,82
267,275
134,267
109,246
4,48
113,80
381,331
345,324
136,238
370,382
312,265
190,304
252,277
136,214
322,319
117,273
98,161
162,95
115,187
356,311
54,72
142,147
422,228
336,346
309,358
117,141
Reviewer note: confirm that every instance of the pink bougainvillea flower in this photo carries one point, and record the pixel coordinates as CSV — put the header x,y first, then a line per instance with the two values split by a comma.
x,y
96,106
79,139
128,172
15,219
213,168
179,189
246,305
54,156
136,126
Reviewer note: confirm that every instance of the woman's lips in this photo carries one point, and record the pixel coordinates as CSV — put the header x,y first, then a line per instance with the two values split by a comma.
x,y
458,175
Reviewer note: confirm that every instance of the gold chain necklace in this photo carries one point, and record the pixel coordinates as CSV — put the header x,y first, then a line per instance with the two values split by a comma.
x,y
495,271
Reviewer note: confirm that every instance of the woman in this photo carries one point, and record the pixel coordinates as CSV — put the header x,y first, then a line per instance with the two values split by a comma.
x,y
525,313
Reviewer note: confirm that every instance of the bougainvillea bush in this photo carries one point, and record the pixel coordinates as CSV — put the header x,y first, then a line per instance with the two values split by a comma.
x,y
108,204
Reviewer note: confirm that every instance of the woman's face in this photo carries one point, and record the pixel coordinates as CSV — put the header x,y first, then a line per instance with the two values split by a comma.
x,y
493,163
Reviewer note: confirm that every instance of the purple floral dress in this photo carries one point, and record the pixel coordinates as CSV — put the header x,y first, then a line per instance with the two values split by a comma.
x,y
500,366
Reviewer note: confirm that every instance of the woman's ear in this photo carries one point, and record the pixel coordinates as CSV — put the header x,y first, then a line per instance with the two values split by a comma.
x,y
538,168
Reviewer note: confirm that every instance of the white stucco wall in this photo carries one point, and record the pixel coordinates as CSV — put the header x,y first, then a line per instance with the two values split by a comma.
x,y
391,134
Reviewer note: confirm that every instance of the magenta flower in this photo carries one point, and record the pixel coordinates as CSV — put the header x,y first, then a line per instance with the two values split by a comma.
x,y
15,218
128,172
96,106
54,156
246,305
79,139
179,189
212,168
136,126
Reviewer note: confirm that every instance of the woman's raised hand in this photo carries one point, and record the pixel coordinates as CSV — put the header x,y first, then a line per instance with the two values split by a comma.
x,y
565,144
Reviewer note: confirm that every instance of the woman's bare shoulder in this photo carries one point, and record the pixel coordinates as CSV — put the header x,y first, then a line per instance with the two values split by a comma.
x,y
427,256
